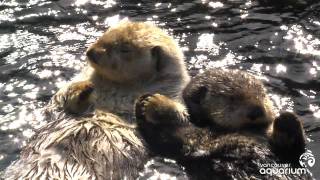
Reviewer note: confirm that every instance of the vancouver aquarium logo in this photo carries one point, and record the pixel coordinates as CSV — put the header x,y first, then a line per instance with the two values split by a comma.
x,y
306,161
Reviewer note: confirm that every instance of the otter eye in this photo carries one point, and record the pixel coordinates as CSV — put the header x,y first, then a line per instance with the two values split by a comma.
x,y
255,112
236,98
232,98
125,49
106,46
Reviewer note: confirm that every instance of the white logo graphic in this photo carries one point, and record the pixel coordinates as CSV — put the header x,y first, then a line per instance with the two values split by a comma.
x,y
307,159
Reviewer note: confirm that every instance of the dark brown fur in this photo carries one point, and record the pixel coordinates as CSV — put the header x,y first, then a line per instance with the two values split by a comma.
x,y
214,148
204,152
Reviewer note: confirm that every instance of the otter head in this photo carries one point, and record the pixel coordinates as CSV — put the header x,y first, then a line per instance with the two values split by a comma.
x,y
228,100
133,51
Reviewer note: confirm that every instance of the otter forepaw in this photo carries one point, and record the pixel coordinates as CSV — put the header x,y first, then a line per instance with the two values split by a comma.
x,y
78,98
159,109
288,137
140,107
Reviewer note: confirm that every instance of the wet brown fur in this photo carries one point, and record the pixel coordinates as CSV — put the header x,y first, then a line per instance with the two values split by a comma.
x,y
225,146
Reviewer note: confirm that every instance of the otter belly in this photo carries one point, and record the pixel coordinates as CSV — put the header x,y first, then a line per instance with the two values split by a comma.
x,y
98,147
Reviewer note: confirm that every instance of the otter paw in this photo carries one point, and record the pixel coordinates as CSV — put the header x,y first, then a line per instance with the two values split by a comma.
x,y
77,98
288,136
159,109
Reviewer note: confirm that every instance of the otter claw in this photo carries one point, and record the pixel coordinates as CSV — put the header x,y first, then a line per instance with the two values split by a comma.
x,y
78,98
140,107
86,93
157,108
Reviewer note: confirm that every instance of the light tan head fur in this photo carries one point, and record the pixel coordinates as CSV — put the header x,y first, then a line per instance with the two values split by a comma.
x,y
135,51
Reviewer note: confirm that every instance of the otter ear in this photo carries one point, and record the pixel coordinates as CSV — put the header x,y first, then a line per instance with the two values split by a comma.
x,y
193,99
159,55
199,94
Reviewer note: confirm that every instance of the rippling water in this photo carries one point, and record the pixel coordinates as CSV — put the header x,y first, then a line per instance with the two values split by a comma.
x,y
42,45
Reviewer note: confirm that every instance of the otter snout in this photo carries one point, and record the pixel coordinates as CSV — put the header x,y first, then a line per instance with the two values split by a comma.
x,y
255,113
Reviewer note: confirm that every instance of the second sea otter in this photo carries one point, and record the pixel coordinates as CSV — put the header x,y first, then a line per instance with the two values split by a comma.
x,y
226,131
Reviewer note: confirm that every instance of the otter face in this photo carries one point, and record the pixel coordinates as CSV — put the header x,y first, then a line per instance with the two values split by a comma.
x,y
236,110
121,61
228,99
128,52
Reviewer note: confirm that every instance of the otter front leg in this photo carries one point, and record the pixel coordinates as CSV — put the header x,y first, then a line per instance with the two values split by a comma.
x,y
160,122
159,109
288,139
76,99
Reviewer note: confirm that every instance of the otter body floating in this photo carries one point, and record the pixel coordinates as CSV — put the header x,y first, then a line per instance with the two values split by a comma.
x,y
130,59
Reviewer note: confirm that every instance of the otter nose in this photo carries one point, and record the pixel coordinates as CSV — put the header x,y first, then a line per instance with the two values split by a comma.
x,y
93,55
255,113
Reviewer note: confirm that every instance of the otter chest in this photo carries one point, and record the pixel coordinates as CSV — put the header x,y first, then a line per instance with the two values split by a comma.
x,y
117,100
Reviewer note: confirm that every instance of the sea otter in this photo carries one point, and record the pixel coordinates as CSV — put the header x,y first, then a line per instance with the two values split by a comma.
x,y
91,131
213,143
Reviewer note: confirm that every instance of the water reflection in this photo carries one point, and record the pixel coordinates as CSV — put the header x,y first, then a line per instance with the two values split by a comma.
x,y
303,43
215,4
110,21
105,4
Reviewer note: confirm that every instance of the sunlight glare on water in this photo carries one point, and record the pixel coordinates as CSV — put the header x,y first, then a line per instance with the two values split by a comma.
x,y
316,110
105,4
206,43
111,21
216,4
303,43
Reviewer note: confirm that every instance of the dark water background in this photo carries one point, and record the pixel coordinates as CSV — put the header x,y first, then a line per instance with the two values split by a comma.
x,y
42,45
